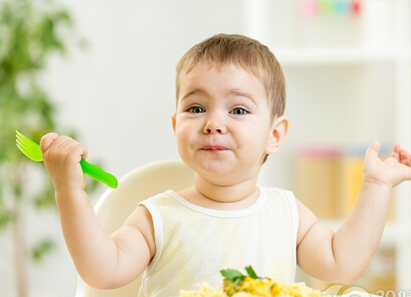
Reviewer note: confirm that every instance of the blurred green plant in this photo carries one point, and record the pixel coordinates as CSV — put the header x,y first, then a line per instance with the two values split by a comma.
x,y
31,31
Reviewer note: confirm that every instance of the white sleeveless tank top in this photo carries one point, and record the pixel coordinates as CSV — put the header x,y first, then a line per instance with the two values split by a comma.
x,y
194,243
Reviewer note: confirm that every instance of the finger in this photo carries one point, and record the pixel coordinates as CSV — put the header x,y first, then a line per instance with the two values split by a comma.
x,y
373,149
396,151
47,140
396,148
70,146
78,149
63,143
404,157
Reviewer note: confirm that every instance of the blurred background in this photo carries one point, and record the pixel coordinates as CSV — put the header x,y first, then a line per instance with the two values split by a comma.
x,y
348,70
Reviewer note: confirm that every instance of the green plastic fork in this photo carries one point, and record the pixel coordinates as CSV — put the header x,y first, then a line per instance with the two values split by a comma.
x,y
32,151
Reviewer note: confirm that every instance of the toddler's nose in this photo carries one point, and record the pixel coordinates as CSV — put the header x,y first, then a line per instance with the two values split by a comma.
x,y
208,131
214,125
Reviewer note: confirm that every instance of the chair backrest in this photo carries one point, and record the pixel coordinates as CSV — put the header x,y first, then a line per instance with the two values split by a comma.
x,y
116,205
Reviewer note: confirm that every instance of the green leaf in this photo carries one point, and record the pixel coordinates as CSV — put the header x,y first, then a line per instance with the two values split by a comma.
x,y
251,272
236,276
232,275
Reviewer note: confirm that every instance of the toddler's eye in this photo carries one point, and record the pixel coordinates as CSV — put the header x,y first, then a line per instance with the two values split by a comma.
x,y
196,109
239,111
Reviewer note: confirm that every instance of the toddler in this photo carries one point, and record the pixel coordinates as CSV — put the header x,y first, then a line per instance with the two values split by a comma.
x,y
230,93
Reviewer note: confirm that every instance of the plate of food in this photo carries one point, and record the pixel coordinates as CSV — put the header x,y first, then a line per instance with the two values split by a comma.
x,y
236,284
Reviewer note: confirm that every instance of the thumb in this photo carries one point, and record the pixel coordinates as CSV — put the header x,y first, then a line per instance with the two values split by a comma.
x,y
373,149
47,140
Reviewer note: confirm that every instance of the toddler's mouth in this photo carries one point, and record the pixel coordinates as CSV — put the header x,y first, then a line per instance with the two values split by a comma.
x,y
214,148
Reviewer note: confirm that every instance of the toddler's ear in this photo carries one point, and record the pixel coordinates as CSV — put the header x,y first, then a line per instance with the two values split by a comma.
x,y
173,121
278,134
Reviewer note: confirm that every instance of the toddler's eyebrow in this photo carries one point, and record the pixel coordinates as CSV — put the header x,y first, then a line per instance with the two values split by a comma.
x,y
193,92
241,93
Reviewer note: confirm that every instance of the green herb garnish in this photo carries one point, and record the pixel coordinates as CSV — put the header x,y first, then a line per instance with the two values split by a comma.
x,y
251,272
236,276
232,275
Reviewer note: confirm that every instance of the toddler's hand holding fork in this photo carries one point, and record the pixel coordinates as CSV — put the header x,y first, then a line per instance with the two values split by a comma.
x,y
61,156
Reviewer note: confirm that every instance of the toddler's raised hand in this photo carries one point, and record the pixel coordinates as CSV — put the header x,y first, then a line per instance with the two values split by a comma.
x,y
390,172
61,156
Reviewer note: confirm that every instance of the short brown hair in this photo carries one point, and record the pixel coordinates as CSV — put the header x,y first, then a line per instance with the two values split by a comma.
x,y
247,53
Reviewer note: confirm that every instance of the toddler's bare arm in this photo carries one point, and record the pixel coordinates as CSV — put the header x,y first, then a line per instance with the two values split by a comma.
x,y
103,261
344,256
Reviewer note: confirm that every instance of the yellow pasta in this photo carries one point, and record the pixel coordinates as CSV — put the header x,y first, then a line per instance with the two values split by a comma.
x,y
237,285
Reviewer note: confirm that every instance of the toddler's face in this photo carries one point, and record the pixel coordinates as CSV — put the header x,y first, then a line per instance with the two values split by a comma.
x,y
223,122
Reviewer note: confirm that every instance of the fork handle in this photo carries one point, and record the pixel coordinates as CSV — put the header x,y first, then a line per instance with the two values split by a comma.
x,y
98,174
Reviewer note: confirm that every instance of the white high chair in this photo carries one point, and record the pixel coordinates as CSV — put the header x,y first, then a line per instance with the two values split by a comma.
x,y
116,205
